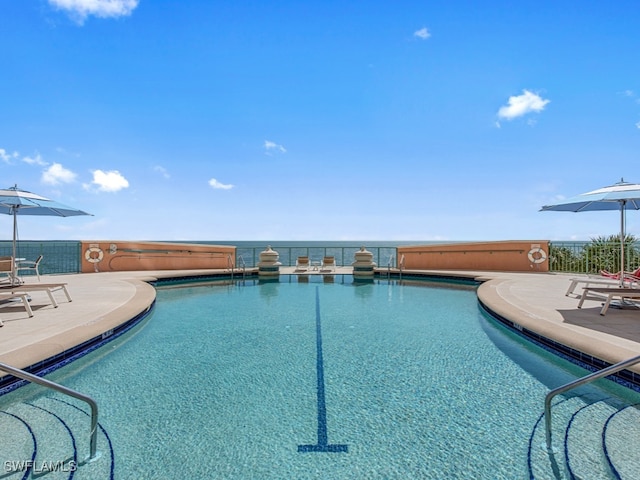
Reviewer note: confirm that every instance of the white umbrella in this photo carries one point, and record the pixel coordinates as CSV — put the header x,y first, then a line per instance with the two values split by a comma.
x,y
14,201
620,196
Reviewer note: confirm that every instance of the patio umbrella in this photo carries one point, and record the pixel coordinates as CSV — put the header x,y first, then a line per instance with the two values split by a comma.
x,y
620,196
14,201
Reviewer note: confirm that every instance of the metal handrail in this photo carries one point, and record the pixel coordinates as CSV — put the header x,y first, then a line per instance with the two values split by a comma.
x,y
230,265
93,442
577,383
244,266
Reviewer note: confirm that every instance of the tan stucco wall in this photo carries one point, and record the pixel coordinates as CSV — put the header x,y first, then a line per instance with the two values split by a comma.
x,y
121,256
506,256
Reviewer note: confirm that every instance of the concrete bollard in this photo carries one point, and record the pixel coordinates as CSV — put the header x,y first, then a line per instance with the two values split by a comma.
x,y
269,266
364,264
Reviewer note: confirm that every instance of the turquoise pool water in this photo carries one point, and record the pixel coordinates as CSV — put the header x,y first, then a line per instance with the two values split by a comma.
x,y
324,379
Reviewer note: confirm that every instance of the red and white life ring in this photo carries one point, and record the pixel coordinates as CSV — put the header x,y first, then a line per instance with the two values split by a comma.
x,y
91,258
537,255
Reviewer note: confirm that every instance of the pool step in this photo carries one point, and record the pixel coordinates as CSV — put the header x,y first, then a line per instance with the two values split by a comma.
x,y
542,465
592,438
583,441
622,441
50,435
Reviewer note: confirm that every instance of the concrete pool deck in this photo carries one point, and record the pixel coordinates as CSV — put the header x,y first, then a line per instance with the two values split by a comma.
x,y
102,301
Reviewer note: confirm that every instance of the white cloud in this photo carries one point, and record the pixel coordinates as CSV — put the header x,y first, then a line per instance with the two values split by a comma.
x,y
270,146
638,124
111,181
522,104
81,9
57,174
6,156
219,186
37,160
423,33
162,171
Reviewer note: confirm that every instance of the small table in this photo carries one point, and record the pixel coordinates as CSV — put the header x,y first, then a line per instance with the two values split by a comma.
x,y
315,266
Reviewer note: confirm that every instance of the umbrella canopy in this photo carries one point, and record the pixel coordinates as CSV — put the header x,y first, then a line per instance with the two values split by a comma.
x,y
14,201
621,196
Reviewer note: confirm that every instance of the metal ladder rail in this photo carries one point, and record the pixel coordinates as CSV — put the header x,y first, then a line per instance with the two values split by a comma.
x,y
230,265
389,263
244,267
93,442
577,383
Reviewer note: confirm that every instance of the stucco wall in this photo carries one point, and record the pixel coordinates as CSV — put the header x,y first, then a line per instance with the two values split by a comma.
x,y
120,256
508,256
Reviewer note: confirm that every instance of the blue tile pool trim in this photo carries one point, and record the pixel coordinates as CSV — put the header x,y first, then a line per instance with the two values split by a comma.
x,y
9,383
449,279
625,378
210,277
322,444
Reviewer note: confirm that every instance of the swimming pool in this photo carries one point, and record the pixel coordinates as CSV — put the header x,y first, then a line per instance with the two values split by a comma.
x,y
325,378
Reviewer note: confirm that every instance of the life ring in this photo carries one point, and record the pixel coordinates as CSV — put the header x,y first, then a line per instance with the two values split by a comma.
x,y
537,255
89,257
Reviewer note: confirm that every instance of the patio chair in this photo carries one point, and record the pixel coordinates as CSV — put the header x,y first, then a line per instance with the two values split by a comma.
x,y
29,266
302,264
328,264
5,267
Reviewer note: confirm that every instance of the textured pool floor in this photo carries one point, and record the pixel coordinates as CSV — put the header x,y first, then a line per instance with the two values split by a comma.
x,y
222,382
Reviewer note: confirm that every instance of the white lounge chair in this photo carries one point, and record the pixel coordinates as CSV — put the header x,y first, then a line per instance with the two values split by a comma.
x,y
608,294
6,297
302,264
328,264
25,288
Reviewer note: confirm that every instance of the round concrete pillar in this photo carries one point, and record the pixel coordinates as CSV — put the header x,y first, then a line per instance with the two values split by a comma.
x,y
364,264
269,266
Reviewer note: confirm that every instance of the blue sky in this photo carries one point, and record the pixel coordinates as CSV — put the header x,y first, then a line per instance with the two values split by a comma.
x,y
332,120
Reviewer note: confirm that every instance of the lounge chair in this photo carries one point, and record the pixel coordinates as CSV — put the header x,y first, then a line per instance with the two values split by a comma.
x,y
328,264
609,294
6,297
29,265
631,277
302,264
588,282
25,288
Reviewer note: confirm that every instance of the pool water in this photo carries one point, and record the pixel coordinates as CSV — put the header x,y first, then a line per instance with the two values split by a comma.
x,y
315,380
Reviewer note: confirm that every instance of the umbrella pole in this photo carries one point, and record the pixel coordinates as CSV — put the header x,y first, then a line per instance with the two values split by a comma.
x,y
622,231
14,276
